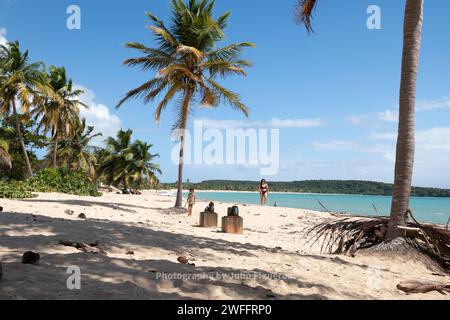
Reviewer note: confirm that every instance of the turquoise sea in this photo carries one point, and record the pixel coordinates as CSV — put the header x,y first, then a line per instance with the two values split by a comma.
x,y
434,210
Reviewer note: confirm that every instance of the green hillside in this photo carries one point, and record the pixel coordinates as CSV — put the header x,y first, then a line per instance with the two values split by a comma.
x,y
315,186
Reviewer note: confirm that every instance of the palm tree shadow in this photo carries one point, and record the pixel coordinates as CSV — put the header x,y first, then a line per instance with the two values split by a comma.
x,y
109,277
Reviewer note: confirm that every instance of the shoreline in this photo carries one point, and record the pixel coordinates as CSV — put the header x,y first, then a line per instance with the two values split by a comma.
x,y
303,193
433,218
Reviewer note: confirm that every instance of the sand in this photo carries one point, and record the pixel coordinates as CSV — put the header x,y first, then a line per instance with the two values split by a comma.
x,y
270,261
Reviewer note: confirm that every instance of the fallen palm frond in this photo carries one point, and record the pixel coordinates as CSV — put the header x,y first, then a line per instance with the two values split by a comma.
x,y
349,234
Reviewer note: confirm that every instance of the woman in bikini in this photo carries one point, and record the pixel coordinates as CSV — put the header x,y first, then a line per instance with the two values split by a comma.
x,y
264,192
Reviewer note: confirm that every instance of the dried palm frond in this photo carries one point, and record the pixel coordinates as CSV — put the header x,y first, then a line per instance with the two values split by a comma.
x,y
304,12
348,234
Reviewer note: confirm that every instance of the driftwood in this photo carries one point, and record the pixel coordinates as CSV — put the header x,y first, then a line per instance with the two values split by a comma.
x,y
423,287
88,248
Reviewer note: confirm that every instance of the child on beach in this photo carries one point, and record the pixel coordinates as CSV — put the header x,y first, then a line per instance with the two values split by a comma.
x,y
191,201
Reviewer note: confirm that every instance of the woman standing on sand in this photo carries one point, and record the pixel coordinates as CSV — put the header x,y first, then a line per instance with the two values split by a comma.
x,y
264,192
191,200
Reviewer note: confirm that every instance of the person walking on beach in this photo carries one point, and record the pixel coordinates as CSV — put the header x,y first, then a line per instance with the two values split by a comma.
x,y
191,201
264,192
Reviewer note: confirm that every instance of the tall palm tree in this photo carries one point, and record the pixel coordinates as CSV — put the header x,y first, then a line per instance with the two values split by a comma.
x,y
20,81
406,133
77,153
128,163
188,64
60,116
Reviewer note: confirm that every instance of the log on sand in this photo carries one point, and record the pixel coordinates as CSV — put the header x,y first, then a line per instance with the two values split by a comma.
x,y
88,248
423,287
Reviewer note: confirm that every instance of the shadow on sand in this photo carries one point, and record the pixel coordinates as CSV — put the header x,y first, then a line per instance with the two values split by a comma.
x,y
105,277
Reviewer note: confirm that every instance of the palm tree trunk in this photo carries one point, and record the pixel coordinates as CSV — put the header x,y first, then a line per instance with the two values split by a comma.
x,y
125,185
406,133
55,153
22,143
185,113
179,202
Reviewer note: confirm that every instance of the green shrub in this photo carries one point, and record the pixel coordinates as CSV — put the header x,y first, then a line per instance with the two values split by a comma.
x,y
15,190
50,180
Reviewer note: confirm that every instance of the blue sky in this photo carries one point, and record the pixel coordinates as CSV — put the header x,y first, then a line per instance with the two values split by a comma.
x,y
334,93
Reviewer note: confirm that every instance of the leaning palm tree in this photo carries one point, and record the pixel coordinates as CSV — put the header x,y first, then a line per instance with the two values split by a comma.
x,y
20,82
188,64
60,115
406,136
77,153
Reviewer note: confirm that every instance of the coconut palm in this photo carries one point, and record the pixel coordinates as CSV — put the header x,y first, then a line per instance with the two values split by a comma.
x,y
77,153
60,116
187,66
20,82
142,168
406,132
127,163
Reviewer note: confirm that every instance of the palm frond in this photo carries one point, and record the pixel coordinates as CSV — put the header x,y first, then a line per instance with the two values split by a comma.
x,y
229,97
304,12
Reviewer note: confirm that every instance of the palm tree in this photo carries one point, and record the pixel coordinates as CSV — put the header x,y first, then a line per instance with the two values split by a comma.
x,y
127,163
406,132
142,169
60,116
76,153
188,65
20,82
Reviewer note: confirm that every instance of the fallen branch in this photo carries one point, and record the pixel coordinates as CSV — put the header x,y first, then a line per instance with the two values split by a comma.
x,y
88,248
423,287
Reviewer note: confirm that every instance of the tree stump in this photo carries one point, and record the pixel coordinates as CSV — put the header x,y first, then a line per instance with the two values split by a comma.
x,y
209,220
233,224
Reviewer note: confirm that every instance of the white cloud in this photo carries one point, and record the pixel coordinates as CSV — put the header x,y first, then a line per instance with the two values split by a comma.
x,y
436,139
429,105
99,116
336,145
388,116
274,123
373,119
358,119
384,136
3,39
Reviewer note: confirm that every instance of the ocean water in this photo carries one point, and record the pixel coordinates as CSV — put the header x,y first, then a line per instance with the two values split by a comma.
x,y
434,210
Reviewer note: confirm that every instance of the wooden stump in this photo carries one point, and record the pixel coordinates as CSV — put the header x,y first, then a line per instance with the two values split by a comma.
x,y
233,224
208,220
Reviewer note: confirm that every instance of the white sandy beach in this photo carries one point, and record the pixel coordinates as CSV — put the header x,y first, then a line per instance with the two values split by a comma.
x,y
271,256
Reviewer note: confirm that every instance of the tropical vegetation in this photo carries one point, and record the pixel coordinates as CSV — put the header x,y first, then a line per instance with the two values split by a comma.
x,y
40,109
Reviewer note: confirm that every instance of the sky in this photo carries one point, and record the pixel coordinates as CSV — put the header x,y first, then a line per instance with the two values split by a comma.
x,y
333,94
